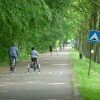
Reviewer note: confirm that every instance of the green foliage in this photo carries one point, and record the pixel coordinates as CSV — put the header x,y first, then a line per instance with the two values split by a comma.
x,y
40,23
30,23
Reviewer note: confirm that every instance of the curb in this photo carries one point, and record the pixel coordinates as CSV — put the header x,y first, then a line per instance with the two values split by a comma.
x,y
76,95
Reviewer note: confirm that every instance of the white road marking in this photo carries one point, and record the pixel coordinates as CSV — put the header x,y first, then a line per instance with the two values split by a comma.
x,y
2,85
51,99
31,82
13,99
56,83
49,72
4,91
60,64
38,72
27,73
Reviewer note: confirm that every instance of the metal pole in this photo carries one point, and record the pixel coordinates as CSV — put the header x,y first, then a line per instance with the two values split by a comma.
x,y
90,60
89,64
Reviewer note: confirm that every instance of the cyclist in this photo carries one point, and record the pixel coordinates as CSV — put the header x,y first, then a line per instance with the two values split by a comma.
x,y
33,55
13,52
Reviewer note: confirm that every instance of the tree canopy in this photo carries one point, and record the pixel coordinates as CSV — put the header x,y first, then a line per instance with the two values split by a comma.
x,y
40,23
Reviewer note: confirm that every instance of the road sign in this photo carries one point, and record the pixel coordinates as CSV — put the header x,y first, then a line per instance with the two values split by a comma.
x,y
94,36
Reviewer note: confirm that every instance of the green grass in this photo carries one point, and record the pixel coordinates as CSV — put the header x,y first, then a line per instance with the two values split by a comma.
x,y
89,86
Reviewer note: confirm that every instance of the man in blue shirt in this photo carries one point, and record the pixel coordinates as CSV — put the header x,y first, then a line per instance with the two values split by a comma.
x,y
13,52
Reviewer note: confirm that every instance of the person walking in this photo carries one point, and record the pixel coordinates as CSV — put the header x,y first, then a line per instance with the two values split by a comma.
x,y
50,49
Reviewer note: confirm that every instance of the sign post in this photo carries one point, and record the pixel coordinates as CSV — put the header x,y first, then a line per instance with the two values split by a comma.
x,y
94,36
92,51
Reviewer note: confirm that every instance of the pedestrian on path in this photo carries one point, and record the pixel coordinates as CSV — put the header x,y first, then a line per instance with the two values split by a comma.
x,y
50,49
63,46
57,51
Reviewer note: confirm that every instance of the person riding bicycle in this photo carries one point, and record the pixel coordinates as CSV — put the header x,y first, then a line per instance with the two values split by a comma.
x,y
13,53
33,55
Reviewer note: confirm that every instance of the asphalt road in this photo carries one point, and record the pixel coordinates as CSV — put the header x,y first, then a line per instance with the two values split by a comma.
x,y
53,82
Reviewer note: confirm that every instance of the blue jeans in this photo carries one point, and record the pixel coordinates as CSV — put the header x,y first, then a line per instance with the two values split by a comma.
x,y
10,59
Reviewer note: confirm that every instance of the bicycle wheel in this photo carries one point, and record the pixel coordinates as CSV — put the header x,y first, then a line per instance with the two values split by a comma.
x,y
38,67
13,65
28,67
34,66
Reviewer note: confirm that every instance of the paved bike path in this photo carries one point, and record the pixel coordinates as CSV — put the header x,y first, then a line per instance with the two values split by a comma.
x,y
52,61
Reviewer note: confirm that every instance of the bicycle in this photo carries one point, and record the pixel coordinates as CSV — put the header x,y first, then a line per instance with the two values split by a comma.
x,y
13,64
35,65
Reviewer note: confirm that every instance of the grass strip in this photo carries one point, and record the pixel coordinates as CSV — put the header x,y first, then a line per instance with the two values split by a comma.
x,y
89,86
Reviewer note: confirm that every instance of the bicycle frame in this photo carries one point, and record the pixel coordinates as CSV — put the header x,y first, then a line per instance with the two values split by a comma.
x,y
35,65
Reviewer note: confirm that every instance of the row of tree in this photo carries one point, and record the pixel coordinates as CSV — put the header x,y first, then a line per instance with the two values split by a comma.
x,y
28,23
40,23
90,10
